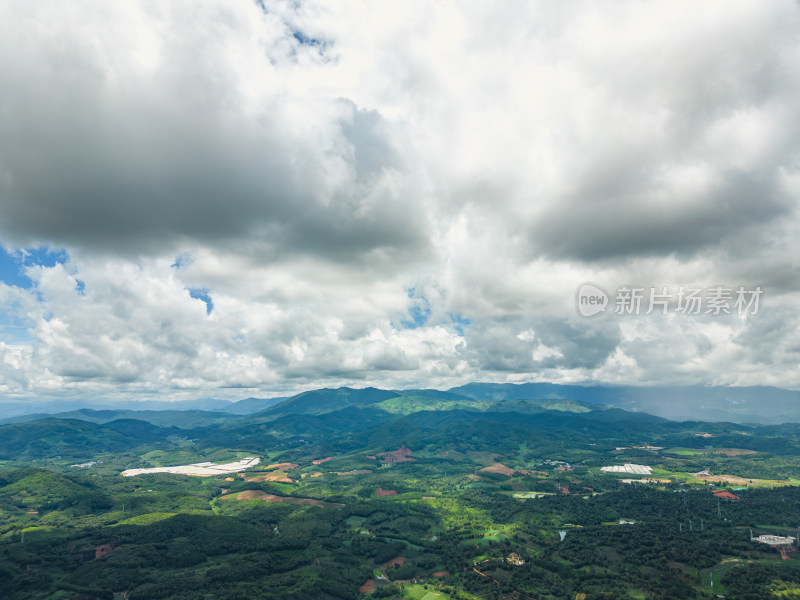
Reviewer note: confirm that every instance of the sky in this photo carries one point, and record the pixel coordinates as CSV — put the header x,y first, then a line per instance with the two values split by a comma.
x,y
250,198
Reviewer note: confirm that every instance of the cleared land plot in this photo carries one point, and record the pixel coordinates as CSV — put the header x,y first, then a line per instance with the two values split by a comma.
x,y
485,537
726,479
711,578
259,495
204,469
722,451
280,476
367,586
396,561
735,451
498,468
685,451
531,495
483,458
417,592
284,466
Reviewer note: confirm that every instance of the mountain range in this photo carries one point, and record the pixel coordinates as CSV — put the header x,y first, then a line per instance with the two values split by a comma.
x,y
766,405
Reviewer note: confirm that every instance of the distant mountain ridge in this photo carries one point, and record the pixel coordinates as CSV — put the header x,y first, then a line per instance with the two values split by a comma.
x,y
759,404
342,419
252,405
183,419
12,409
765,405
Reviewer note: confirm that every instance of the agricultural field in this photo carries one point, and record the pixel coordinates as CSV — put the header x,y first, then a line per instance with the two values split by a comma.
x,y
454,504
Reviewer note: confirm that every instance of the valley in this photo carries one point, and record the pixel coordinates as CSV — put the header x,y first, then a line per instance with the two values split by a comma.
x,y
337,494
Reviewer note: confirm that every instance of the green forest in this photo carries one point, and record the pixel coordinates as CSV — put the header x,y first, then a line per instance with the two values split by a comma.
x,y
361,494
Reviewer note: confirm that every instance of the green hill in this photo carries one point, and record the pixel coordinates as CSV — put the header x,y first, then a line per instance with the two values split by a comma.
x,y
184,419
425,485
73,438
26,489
252,405
326,400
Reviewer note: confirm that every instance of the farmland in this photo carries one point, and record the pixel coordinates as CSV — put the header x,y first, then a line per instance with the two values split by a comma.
x,y
428,504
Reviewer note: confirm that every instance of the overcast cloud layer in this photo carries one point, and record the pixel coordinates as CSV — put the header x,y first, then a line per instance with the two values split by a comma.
x,y
197,198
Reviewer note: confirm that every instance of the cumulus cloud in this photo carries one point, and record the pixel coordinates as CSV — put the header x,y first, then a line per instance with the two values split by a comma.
x,y
134,129
274,195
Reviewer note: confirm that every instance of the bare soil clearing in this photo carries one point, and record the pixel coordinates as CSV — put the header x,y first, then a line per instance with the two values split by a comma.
x,y
259,495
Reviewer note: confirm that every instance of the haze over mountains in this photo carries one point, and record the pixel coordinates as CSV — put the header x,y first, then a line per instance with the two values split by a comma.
x,y
766,405
356,489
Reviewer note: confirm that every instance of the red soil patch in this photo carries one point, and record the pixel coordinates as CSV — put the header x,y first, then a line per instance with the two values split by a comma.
x,y
735,451
498,468
725,494
259,495
488,459
283,466
440,574
279,476
319,461
397,561
103,549
367,586
381,492
403,454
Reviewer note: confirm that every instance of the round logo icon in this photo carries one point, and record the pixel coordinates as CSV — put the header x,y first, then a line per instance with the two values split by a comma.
x,y
591,300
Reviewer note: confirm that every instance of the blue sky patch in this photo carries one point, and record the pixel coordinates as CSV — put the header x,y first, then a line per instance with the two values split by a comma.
x,y
13,329
304,39
182,260
12,264
419,312
459,322
202,294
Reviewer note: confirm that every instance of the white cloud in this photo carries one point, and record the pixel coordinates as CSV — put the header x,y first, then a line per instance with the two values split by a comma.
x,y
313,164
